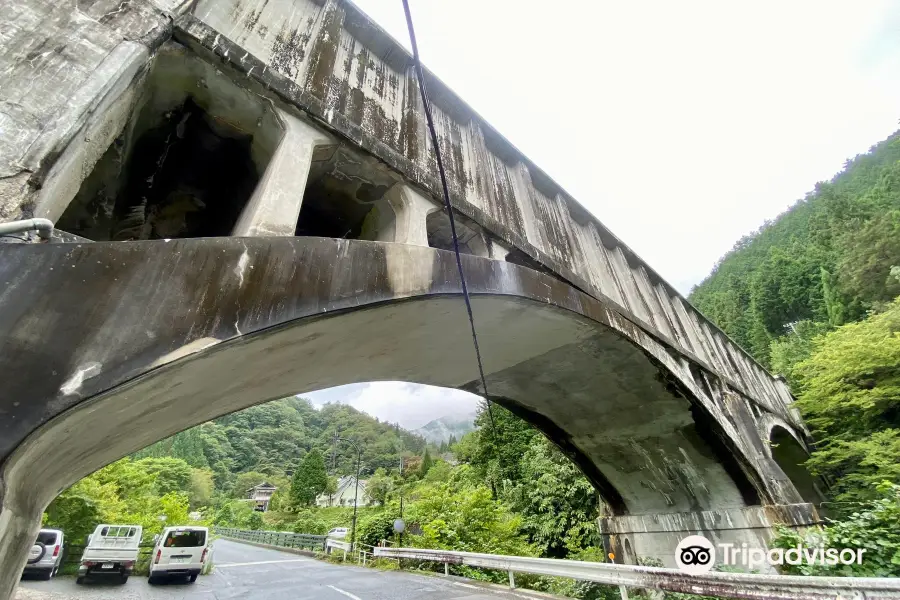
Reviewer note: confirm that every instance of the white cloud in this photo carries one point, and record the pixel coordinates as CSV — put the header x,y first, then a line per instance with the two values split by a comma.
x,y
680,125
409,404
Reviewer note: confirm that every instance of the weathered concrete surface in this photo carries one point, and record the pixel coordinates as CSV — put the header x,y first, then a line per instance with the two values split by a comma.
x,y
655,535
275,205
59,63
331,60
328,60
266,318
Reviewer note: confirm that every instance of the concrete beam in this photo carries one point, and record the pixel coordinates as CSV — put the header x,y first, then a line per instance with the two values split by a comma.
x,y
275,205
411,209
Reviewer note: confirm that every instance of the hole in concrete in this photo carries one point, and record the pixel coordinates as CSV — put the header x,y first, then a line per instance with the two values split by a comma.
x,y
186,162
440,236
791,456
341,191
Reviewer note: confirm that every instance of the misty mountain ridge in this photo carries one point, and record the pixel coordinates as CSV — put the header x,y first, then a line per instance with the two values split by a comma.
x,y
440,430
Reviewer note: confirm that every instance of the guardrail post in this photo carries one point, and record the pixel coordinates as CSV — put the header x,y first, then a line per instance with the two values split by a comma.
x,y
512,581
446,569
344,559
623,591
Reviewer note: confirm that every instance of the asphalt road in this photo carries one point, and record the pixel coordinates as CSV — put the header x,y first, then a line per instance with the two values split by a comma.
x,y
244,571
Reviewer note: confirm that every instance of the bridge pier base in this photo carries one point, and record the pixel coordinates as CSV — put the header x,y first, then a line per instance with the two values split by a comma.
x,y
19,526
655,536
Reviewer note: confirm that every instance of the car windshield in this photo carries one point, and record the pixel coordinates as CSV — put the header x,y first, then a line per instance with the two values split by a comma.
x,y
190,538
47,538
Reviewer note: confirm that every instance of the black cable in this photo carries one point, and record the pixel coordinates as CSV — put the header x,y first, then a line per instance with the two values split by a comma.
x,y
420,74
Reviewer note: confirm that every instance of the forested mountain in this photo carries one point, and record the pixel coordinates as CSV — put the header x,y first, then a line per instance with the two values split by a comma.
x,y
823,263
273,438
814,296
440,431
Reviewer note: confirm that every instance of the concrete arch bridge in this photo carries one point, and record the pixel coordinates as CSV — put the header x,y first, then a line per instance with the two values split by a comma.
x,y
246,209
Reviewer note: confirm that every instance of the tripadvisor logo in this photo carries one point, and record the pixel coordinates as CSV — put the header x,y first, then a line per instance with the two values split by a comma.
x,y
696,555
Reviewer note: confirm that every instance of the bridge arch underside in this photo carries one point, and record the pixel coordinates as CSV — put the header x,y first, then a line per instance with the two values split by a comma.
x,y
167,335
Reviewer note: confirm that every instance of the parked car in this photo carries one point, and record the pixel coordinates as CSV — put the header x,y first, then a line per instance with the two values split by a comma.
x,y
179,552
46,554
111,551
338,533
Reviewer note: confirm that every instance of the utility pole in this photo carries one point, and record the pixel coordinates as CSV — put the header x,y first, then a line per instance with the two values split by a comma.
x,y
356,491
334,440
400,535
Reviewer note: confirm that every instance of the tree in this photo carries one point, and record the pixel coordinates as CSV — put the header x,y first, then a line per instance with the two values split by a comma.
x,y
826,259
201,487
850,396
310,479
172,474
793,348
426,463
379,486
255,521
871,527
310,523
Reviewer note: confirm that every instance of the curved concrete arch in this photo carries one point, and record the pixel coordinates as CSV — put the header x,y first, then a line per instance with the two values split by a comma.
x,y
790,453
166,335
767,424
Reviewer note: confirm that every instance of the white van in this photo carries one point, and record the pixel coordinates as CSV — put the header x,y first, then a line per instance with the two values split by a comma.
x,y
179,552
111,550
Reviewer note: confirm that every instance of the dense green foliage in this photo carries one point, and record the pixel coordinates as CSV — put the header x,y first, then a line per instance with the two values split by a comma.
x,y
826,260
271,439
850,395
127,491
811,295
871,527
309,480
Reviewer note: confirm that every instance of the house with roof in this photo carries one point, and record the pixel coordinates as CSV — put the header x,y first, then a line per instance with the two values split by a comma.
x,y
260,495
346,490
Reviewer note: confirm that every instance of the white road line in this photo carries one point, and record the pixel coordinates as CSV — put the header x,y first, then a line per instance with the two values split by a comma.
x,y
348,594
262,562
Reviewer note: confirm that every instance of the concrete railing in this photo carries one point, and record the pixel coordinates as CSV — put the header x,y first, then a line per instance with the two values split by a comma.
x,y
284,539
723,585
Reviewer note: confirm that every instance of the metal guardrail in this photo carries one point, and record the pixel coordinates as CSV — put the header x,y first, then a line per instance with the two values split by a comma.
x,y
725,585
285,539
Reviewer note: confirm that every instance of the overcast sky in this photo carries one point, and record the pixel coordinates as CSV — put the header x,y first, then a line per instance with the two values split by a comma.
x,y
409,404
681,125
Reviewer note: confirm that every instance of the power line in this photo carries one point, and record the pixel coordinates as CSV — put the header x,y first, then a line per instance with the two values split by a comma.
x,y
420,74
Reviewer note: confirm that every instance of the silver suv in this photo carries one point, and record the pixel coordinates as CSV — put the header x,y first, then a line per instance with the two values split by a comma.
x,y
46,555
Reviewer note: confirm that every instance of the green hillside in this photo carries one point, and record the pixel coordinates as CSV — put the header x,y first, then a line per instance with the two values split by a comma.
x,y
271,439
825,261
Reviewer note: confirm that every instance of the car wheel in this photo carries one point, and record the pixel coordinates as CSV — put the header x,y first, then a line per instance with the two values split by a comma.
x,y
152,580
124,578
36,553
79,580
193,577
47,574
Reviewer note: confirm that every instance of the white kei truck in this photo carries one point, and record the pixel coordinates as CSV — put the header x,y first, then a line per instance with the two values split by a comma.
x,y
111,551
